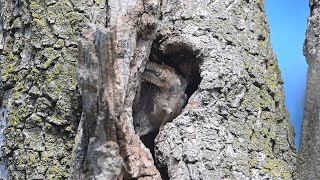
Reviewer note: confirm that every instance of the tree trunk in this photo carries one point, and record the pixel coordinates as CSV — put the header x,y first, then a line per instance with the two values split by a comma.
x,y
235,124
38,48
196,82
308,164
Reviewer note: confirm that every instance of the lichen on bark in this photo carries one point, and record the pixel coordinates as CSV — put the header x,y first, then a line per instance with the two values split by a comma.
x,y
38,46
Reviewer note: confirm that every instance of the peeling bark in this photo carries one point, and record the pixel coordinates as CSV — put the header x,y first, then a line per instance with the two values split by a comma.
x,y
107,148
114,86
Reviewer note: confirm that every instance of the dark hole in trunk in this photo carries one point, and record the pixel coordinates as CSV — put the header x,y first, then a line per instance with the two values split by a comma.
x,y
148,141
186,63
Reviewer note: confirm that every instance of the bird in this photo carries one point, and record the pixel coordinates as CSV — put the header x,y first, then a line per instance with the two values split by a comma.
x,y
162,98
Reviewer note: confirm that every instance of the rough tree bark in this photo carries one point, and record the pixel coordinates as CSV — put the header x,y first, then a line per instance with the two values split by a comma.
x,y
308,164
38,65
234,125
106,139
38,59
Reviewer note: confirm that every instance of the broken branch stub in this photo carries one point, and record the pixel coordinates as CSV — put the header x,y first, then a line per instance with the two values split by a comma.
x,y
98,80
104,143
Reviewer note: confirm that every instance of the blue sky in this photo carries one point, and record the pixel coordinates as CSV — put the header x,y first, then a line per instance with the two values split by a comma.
x,y
288,21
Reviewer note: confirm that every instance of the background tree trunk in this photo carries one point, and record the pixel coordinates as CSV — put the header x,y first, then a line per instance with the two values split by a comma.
x,y
308,164
234,125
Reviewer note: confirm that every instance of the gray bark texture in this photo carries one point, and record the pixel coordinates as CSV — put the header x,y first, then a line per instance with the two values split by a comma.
x,y
232,125
235,125
308,164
